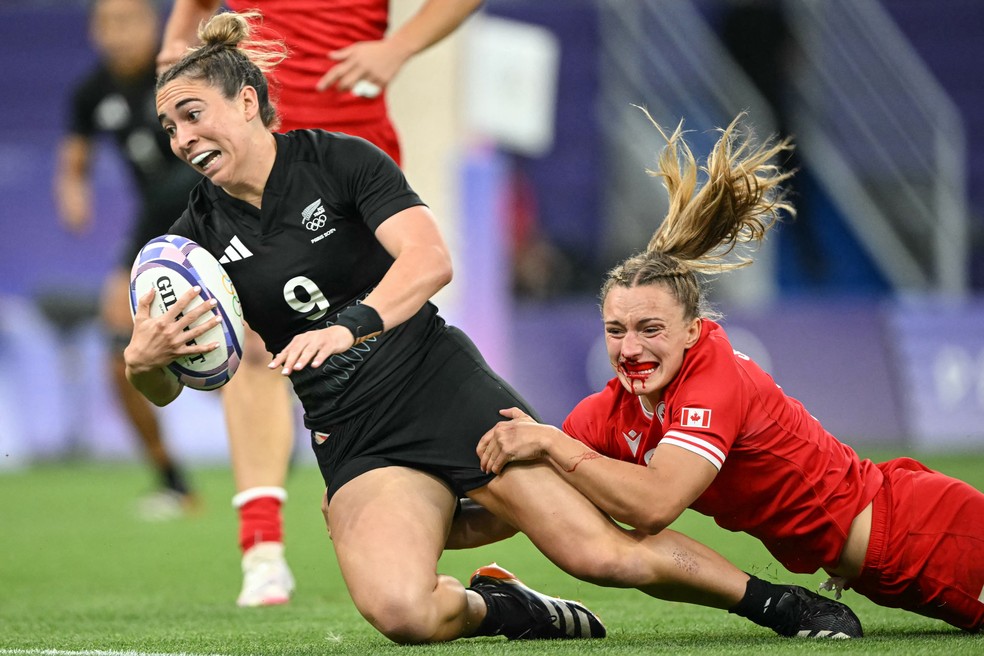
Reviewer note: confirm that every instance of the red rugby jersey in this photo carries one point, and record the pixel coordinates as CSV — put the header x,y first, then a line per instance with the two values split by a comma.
x,y
781,477
311,29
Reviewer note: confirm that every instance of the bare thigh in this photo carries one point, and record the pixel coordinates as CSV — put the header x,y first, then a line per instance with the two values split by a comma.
x,y
586,543
389,527
259,419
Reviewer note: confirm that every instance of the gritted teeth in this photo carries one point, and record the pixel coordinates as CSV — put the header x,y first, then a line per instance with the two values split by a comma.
x,y
638,368
203,159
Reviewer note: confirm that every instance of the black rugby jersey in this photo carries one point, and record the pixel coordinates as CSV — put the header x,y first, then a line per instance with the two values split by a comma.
x,y
309,253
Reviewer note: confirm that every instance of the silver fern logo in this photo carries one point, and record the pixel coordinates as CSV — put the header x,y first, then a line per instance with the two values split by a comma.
x,y
313,216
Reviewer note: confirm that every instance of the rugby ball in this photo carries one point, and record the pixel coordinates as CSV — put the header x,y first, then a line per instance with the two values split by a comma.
x,y
172,265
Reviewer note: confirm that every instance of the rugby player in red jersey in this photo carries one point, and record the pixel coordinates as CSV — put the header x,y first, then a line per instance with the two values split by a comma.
x,y
688,422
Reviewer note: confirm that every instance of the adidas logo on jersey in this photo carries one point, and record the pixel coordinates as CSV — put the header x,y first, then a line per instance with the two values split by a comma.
x,y
234,252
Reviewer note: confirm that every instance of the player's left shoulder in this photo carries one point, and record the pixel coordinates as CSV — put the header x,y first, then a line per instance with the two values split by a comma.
x,y
712,350
310,140
329,152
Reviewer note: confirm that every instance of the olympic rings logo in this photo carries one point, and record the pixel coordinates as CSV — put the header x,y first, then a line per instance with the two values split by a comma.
x,y
316,222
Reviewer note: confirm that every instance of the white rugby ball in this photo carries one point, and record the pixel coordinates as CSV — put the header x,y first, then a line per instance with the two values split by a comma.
x,y
172,265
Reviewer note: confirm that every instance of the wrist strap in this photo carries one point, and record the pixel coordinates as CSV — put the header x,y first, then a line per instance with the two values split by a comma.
x,y
361,320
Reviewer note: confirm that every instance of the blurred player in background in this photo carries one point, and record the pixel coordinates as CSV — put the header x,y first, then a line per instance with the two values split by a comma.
x,y
714,432
117,99
340,61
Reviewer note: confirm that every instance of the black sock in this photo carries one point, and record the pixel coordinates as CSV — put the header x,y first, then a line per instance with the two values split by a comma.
x,y
173,479
759,602
504,615
492,622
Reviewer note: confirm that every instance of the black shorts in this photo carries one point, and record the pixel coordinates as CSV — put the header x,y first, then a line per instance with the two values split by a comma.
x,y
432,421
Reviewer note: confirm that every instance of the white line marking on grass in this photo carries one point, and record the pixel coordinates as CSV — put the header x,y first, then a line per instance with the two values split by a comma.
x,y
89,652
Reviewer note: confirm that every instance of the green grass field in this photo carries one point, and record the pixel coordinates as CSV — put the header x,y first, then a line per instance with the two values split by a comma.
x,y
79,574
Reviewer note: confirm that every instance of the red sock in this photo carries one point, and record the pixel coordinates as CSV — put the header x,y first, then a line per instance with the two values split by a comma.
x,y
260,521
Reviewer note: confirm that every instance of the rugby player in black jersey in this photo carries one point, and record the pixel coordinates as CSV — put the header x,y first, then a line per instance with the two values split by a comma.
x,y
335,259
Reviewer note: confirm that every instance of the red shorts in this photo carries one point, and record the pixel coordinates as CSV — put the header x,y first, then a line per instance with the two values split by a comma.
x,y
926,552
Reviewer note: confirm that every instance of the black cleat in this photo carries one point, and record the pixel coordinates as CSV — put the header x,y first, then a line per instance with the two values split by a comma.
x,y
809,615
545,617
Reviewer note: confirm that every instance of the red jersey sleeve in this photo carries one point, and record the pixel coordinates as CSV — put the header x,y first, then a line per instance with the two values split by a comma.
x,y
588,421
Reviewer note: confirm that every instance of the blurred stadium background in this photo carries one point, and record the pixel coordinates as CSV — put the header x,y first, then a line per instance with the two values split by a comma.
x,y
520,132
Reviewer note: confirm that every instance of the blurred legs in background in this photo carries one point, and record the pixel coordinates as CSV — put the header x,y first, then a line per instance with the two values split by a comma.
x,y
173,496
257,404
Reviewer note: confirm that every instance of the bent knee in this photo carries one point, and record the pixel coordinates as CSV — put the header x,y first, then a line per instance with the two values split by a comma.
x,y
404,619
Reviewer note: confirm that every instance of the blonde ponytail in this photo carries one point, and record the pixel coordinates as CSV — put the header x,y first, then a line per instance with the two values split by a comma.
x,y
740,200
